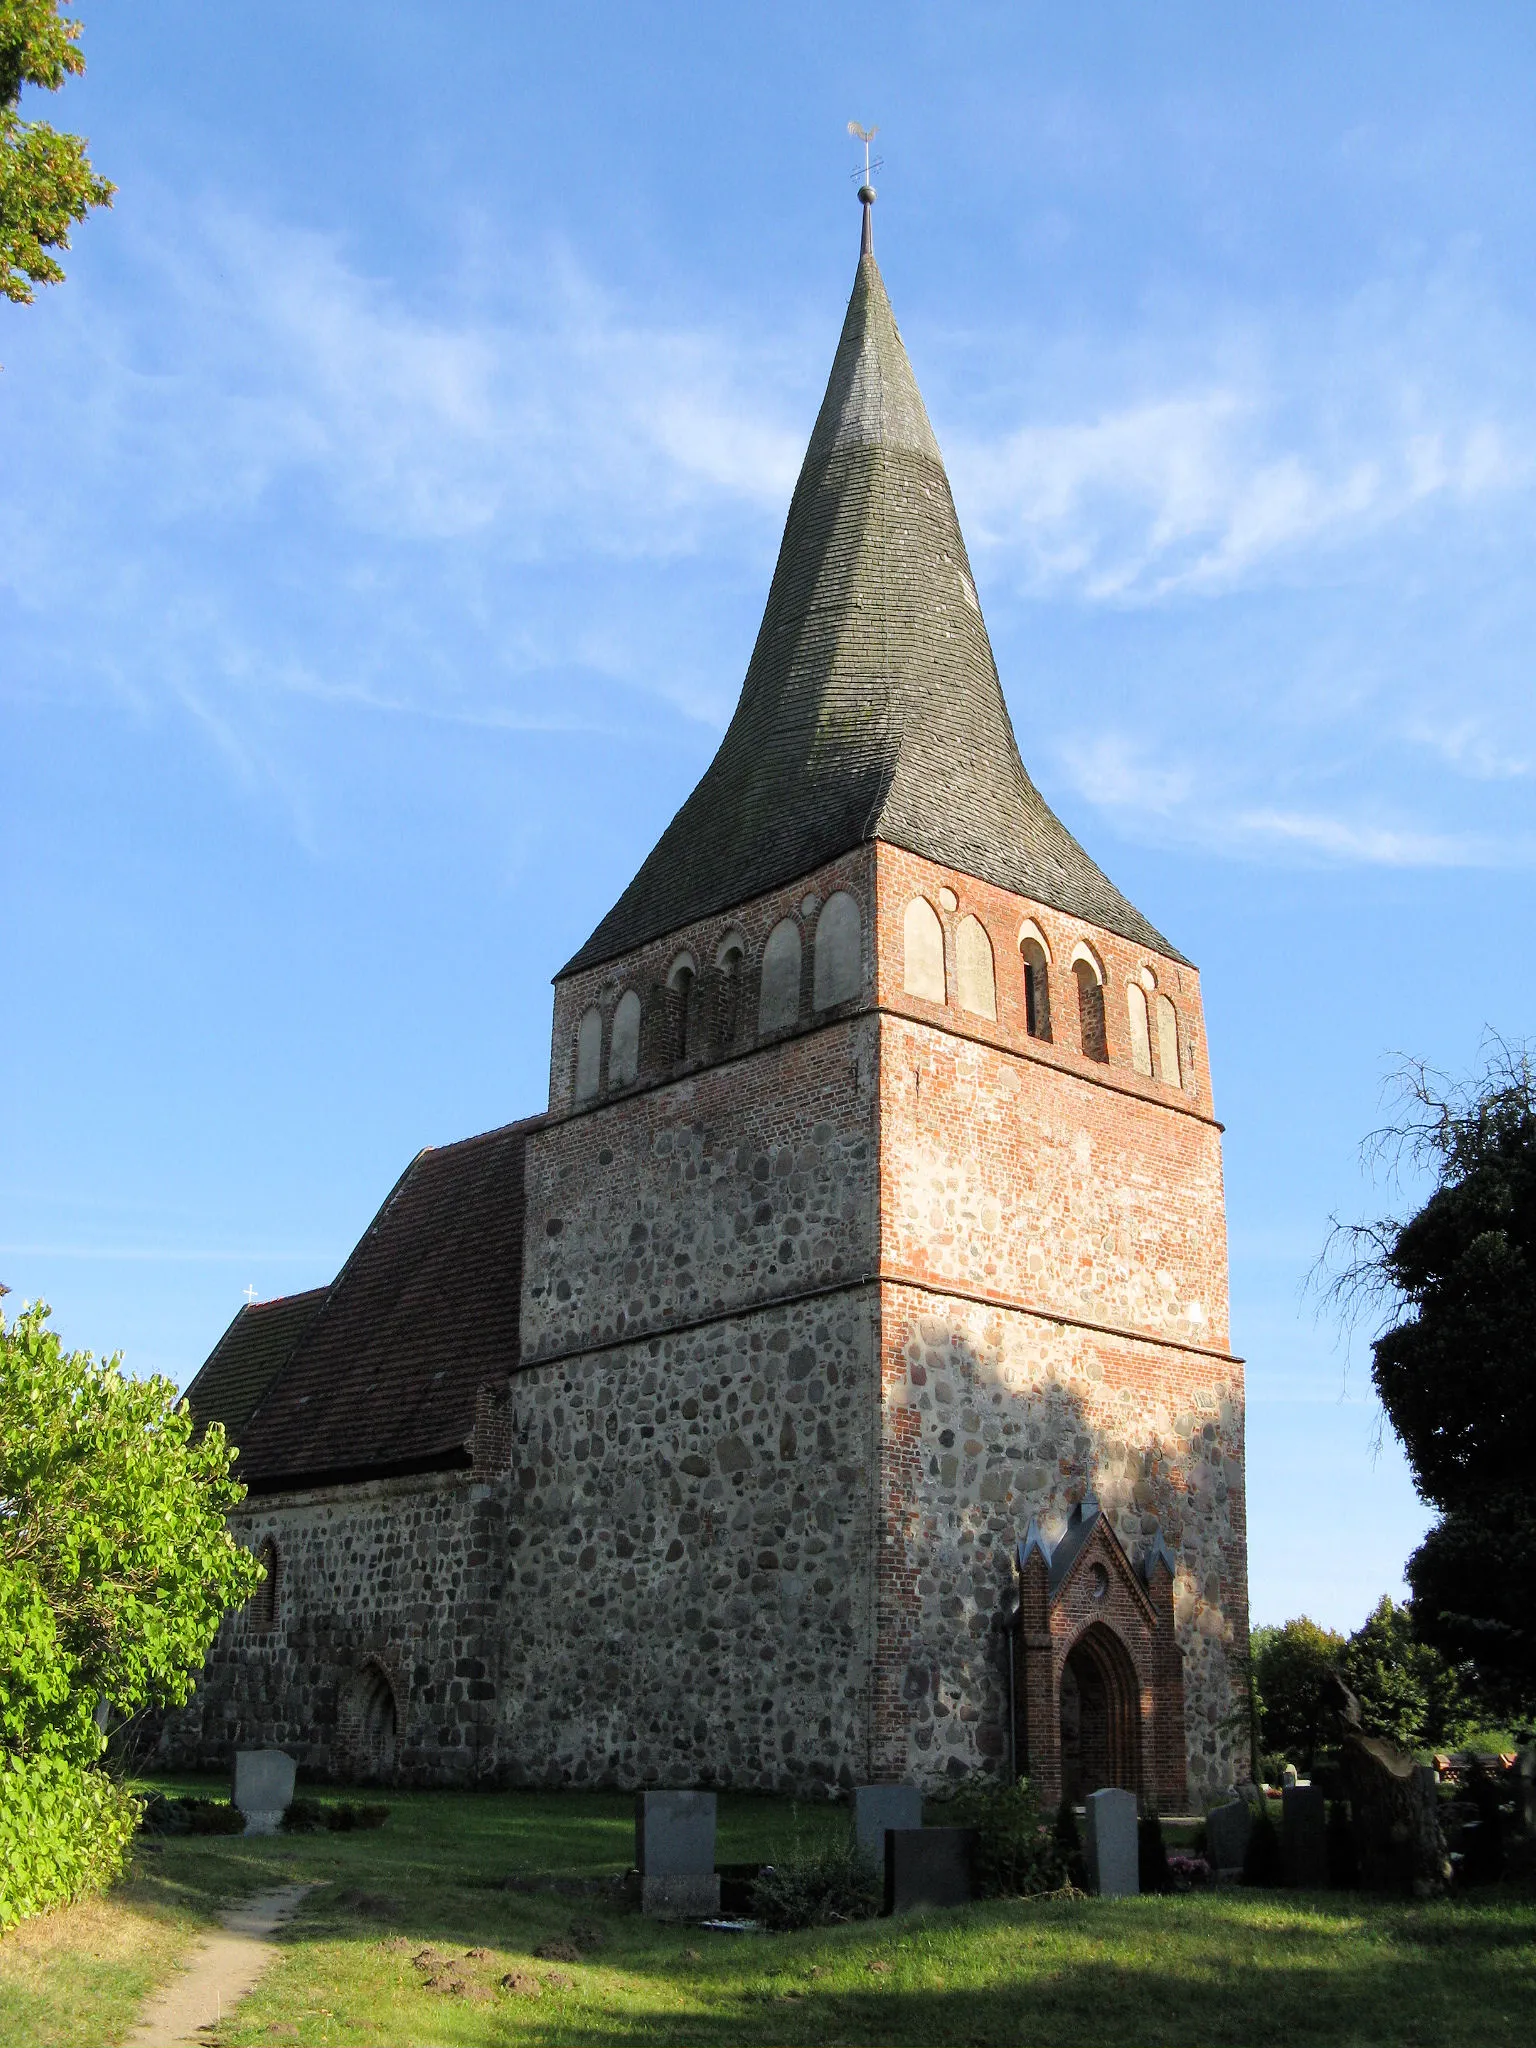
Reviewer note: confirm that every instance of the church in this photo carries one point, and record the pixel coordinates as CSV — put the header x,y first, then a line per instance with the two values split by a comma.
x,y
832,1385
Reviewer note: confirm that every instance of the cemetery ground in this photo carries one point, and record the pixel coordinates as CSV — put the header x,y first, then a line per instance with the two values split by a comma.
x,y
412,1929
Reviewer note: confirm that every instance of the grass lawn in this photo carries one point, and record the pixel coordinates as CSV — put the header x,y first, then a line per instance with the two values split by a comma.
x,y
413,1929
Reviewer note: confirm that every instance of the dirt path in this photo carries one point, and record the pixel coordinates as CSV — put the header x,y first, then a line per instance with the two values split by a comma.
x,y
219,1971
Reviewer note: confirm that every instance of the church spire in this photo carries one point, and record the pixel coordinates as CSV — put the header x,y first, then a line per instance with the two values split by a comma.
x,y
871,707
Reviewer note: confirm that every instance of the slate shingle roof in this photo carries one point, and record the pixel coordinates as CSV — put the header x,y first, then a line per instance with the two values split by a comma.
x,y
424,1313
248,1358
871,707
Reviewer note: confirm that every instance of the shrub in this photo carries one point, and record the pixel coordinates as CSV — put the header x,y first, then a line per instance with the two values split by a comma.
x,y
163,1816
817,1888
64,1831
1017,1852
1188,1873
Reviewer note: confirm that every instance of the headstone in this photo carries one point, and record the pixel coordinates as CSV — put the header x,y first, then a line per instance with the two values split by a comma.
x,y
263,1788
1289,1776
928,1867
1227,1829
675,1854
878,1807
1304,1836
1394,1806
1110,1847
1526,1778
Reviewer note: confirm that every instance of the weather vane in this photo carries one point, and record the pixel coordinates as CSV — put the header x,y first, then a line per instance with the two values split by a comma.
x,y
866,136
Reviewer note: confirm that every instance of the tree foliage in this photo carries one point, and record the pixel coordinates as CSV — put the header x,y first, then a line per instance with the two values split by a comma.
x,y
1289,1666
115,1561
47,182
1407,1691
1455,1364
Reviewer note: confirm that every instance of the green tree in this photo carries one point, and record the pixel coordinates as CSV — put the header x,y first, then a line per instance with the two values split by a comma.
x,y
1289,1666
1407,1691
46,179
1454,1365
116,1565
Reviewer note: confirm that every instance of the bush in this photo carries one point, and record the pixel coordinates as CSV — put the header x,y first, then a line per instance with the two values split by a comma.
x,y
164,1816
818,1888
64,1831
1017,1852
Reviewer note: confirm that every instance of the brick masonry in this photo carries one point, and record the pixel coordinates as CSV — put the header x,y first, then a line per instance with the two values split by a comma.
x,y
813,1324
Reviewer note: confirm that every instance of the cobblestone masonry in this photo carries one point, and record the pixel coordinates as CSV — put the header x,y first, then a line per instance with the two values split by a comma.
x,y
811,1328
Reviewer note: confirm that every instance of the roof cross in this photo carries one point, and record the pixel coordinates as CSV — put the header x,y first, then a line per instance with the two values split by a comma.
x,y
250,1296
866,136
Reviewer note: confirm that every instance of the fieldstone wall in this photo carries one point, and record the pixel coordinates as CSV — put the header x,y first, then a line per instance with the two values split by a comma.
x,y
993,1417
397,1574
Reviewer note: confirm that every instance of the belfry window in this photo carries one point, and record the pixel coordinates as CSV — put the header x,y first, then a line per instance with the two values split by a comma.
x,y
1090,1008
624,1052
778,997
1037,983
1141,1037
1168,1043
589,1054
680,983
923,951
838,969
974,969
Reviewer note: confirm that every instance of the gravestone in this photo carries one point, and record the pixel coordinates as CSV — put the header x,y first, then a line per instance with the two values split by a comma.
x,y
1110,1847
928,1867
1304,1837
675,1854
1227,1829
263,1788
878,1807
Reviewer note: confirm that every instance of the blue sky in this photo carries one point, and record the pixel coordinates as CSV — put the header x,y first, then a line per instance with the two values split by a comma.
x,y
388,499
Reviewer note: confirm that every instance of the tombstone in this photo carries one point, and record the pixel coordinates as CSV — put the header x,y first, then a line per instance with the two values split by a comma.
x,y
1289,1776
878,1807
1304,1837
675,1854
1526,1778
928,1867
1110,1847
263,1788
1227,1829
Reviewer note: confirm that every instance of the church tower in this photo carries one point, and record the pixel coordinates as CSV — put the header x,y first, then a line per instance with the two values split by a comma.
x,y
875,1414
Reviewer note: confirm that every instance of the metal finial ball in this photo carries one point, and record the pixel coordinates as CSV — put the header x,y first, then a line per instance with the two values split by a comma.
x,y
867,195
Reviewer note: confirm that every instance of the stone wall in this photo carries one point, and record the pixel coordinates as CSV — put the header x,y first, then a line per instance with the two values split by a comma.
x,y
993,1417
397,1573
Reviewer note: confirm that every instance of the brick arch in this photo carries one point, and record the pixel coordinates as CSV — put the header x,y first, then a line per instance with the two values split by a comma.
x,y
368,1725
1101,1711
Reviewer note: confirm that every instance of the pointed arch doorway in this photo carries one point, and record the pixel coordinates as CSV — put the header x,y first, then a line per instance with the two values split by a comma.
x,y
1100,1716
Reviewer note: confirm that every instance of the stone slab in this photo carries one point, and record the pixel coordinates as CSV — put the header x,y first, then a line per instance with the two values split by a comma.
x,y
1110,1844
1227,1829
1304,1836
263,1788
675,1834
928,1867
680,1898
878,1807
